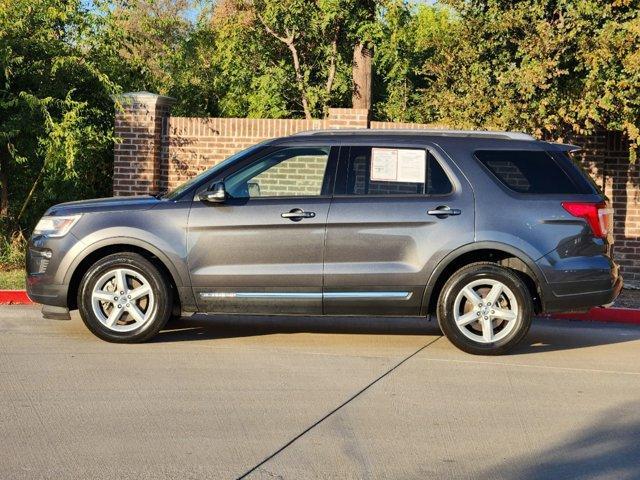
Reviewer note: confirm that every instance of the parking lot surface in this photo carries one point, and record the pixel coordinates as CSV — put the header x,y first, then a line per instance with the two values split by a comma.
x,y
308,397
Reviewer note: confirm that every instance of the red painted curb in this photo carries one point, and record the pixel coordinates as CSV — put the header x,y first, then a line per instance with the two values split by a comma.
x,y
14,297
613,315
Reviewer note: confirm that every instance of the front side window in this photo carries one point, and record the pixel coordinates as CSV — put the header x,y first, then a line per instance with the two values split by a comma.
x,y
288,172
394,171
176,192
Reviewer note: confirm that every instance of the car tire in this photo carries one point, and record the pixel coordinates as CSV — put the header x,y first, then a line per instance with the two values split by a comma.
x,y
485,309
124,298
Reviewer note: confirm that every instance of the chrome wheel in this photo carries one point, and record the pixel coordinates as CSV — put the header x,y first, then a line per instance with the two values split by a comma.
x,y
486,311
122,300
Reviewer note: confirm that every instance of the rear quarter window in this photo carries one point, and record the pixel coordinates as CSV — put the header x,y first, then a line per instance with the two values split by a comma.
x,y
535,172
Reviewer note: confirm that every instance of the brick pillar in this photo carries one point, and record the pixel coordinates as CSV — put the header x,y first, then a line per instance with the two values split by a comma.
x,y
141,122
348,118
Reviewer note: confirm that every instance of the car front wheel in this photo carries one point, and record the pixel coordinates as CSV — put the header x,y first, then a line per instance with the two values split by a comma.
x,y
485,309
124,298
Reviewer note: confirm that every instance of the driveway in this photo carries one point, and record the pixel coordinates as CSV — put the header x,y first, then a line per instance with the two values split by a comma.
x,y
299,397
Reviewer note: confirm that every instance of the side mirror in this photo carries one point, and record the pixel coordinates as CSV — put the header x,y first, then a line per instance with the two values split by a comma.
x,y
217,194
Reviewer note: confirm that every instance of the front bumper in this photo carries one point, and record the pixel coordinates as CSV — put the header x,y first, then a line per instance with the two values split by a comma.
x,y
46,294
45,278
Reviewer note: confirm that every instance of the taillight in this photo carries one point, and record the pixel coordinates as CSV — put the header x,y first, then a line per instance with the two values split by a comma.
x,y
598,215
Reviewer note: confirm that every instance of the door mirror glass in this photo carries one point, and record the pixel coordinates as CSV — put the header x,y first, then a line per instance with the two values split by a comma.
x,y
216,194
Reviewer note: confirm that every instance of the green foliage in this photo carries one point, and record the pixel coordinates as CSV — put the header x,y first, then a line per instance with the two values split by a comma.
x,y
12,279
12,252
277,58
545,66
407,37
55,111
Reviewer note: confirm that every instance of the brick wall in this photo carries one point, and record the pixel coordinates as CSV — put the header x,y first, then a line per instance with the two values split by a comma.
x,y
299,176
605,156
157,152
141,121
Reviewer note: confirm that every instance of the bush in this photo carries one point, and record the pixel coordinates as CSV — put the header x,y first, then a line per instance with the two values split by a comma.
x,y
12,251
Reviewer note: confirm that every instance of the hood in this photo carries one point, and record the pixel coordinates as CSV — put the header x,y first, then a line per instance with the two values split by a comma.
x,y
104,205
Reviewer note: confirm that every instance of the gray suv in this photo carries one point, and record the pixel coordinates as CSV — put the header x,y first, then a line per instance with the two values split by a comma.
x,y
482,229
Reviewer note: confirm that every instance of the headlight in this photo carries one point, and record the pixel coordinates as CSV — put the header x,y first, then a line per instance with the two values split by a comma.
x,y
55,226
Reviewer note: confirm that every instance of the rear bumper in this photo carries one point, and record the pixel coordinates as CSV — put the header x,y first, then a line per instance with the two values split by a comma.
x,y
583,301
579,283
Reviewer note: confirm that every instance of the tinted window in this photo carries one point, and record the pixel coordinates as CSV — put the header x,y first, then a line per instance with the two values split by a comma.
x,y
361,181
289,172
577,172
529,171
175,193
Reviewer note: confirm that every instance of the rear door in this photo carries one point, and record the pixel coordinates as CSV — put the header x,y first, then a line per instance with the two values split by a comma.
x,y
262,250
396,211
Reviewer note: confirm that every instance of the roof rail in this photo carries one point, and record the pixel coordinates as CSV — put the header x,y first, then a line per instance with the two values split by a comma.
x,y
421,131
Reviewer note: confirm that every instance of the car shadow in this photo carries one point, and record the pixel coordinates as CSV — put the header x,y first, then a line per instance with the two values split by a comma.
x,y
545,335
206,327
548,335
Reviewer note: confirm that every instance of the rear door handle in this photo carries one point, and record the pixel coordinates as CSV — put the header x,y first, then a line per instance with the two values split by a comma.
x,y
297,214
444,211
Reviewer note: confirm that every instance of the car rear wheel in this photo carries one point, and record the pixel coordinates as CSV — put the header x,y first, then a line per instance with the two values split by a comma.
x,y
485,309
124,298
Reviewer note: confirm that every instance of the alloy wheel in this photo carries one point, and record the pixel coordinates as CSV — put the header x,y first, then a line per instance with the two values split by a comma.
x,y
486,311
122,300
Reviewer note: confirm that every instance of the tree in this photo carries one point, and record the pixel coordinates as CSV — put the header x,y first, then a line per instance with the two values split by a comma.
x,y
546,66
407,36
55,110
296,55
136,42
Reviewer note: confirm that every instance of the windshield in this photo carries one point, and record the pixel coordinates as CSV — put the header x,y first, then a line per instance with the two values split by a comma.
x,y
176,192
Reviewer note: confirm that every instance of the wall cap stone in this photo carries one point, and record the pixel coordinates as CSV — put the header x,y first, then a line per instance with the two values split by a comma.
x,y
143,98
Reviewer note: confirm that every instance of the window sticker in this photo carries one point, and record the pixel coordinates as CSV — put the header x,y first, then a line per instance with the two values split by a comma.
x,y
384,164
398,165
412,166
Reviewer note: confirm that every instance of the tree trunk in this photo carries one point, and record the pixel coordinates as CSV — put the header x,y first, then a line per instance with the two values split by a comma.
x,y
4,181
289,40
362,72
299,79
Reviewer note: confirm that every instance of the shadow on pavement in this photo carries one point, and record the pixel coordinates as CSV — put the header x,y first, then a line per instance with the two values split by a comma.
x,y
203,327
545,335
550,335
609,448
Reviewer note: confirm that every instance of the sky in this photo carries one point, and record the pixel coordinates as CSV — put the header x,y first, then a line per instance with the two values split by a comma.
x,y
192,14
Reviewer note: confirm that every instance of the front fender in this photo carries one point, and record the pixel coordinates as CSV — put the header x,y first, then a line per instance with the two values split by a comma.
x,y
172,259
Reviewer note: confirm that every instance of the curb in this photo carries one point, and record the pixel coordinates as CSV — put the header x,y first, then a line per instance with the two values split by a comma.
x,y
14,297
627,316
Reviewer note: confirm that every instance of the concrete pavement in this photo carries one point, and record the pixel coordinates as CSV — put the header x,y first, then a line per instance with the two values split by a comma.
x,y
300,397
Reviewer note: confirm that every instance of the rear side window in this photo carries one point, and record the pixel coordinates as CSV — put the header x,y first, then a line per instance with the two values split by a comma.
x,y
380,171
533,172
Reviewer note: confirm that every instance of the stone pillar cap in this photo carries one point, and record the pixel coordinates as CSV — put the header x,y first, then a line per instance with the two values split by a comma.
x,y
145,98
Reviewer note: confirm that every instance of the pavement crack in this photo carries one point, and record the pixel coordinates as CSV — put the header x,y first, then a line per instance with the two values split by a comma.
x,y
335,410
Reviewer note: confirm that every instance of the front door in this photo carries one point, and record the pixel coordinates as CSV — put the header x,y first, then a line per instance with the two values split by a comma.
x,y
394,214
262,250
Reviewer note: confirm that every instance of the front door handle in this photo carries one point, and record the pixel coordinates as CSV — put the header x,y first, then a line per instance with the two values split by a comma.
x,y
444,211
297,214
